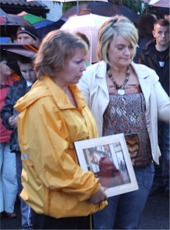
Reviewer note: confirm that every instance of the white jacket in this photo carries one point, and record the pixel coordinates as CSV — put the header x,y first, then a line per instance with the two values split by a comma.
x,y
94,87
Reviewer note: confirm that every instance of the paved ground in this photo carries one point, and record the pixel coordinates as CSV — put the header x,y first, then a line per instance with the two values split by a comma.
x,y
156,215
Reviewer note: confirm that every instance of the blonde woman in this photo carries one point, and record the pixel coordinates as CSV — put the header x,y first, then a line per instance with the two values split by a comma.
x,y
128,98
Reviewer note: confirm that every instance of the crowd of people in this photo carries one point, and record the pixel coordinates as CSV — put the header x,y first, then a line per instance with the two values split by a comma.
x,y
61,98
11,167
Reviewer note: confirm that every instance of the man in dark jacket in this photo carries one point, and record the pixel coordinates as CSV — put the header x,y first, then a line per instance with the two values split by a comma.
x,y
156,56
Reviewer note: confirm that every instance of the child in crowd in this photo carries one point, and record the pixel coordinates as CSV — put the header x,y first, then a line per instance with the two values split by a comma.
x,y
10,117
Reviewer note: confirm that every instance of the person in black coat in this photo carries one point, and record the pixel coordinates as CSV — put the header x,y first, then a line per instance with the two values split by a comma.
x,y
156,56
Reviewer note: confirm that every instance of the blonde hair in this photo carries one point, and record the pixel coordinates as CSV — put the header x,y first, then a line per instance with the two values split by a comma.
x,y
56,48
117,25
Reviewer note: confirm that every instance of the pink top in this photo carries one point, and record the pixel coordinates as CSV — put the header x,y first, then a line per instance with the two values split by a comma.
x,y
4,133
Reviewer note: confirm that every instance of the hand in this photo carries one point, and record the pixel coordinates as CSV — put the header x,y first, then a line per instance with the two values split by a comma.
x,y
13,121
98,197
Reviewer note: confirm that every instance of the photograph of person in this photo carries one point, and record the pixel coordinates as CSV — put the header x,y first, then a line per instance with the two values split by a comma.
x,y
108,164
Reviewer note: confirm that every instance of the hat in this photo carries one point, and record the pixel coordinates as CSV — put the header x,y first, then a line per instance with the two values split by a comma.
x,y
28,30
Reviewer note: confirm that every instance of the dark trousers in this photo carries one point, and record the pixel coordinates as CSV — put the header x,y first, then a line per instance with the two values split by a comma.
x,y
46,222
162,171
25,209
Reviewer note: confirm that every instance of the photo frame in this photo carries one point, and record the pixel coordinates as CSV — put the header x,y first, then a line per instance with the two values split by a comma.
x,y
108,158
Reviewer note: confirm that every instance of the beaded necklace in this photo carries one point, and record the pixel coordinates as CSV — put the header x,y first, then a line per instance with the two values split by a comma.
x,y
120,88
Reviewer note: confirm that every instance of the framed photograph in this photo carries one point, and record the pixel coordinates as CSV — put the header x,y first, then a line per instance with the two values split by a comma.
x,y
108,158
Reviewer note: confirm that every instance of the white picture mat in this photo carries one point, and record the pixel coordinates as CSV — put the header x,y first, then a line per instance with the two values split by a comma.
x,y
118,154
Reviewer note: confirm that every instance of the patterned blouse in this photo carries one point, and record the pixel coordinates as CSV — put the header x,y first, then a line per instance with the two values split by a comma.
x,y
126,114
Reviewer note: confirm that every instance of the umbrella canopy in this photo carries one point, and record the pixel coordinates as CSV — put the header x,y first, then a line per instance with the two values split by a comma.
x,y
158,3
5,40
54,26
73,11
20,49
13,50
20,20
106,9
8,24
89,25
78,10
78,1
6,19
109,9
37,22
162,7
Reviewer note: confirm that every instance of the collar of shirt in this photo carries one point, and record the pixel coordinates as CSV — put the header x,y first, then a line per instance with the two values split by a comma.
x,y
29,84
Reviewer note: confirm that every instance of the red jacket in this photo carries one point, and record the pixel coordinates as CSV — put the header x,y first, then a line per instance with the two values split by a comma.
x,y
4,133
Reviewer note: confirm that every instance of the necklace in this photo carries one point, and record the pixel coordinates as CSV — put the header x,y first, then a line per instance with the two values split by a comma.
x,y
120,88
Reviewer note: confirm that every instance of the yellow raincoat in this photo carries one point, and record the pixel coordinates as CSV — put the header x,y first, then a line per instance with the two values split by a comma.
x,y
48,125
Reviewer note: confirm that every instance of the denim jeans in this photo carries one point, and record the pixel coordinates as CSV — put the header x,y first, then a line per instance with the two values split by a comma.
x,y
8,179
25,208
124,211
163,170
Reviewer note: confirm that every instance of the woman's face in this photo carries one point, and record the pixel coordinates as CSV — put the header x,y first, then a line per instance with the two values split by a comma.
x,y
4,69
73,69
121,52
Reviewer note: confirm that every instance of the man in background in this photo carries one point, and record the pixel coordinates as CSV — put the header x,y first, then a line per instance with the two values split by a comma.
x,y
156,56
28,35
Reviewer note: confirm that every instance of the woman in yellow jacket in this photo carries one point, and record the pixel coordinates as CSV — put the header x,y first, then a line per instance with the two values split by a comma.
x,y
53,115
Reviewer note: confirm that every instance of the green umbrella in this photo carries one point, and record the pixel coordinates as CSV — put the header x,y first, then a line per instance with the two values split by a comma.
x,y
36,21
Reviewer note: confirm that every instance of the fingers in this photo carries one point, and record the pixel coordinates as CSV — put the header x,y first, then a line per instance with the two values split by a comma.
x,y
99,201
98,197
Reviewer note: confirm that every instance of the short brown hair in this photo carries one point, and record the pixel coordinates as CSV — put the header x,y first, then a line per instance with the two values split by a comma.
x,y
56,48
162,22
